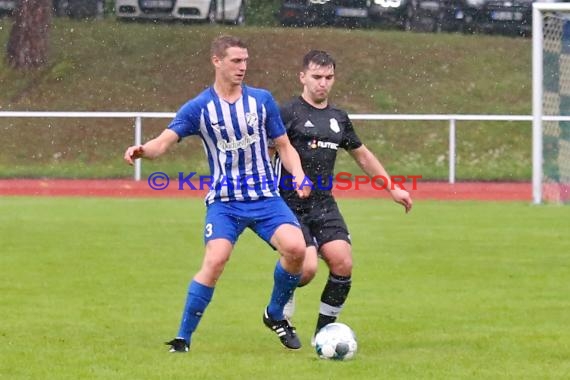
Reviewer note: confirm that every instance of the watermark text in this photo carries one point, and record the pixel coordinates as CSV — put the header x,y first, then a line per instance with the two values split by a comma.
x,y
340,181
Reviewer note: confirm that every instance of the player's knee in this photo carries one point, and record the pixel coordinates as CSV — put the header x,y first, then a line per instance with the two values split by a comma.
x,y
294,250
342,266
215,263
297,251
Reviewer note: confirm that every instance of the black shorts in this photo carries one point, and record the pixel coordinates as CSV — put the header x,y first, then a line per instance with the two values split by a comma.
x,y
321,221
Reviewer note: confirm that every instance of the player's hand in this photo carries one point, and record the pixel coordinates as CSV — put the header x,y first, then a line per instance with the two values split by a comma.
x,y
304,193
402,197
304,189
133,152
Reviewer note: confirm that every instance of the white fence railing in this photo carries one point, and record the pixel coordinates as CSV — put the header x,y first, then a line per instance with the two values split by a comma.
x,y
139,116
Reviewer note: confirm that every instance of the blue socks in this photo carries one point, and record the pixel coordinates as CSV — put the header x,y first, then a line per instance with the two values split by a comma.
x,y
283,286
199,296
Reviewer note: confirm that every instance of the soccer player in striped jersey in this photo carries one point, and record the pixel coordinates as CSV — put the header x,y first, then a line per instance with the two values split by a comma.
x,y
234,122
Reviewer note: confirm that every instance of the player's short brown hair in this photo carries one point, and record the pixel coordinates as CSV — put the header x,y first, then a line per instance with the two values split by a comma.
x,y
223,43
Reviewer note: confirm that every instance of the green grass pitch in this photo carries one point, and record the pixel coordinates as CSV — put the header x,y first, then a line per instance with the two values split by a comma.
x,y
91,288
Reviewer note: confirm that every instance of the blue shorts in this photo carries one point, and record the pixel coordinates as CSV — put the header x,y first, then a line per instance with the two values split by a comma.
x,y
227,220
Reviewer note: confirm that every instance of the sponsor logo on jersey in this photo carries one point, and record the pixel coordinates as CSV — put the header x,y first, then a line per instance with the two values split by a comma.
x,y
334,125
308,124
234,144
323,144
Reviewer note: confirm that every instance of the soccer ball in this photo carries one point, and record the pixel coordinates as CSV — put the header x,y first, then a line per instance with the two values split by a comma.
x,y
336,341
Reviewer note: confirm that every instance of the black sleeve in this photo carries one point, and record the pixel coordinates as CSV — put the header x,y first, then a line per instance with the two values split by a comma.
x,y
287,114
350,139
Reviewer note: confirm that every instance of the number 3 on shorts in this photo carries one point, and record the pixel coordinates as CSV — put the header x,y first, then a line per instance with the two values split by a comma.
x,y
208,230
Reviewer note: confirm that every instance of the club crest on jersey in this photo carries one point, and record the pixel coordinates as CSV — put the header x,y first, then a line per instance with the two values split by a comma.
x,y
251,119
334,125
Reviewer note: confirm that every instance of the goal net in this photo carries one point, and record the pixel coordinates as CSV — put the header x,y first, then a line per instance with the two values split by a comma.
x,y
551,102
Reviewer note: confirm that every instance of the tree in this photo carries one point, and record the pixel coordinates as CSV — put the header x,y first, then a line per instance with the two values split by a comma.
x,y
29,39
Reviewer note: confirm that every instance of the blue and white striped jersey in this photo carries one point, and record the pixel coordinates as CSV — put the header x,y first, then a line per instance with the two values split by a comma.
x,y
234,136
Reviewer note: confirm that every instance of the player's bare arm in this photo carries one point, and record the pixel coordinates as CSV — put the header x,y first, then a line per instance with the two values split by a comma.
x,y
372,167
291,162
153,148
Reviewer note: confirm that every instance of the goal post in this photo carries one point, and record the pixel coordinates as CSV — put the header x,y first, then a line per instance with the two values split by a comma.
x,y
551,102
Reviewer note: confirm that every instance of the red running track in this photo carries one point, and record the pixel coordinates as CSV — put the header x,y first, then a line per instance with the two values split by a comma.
x,y
484,191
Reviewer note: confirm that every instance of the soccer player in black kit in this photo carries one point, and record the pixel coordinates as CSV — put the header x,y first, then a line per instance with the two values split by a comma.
x,y
317,130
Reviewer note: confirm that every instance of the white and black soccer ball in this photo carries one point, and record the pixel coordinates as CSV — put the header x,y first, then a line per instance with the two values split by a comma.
x,y
336,341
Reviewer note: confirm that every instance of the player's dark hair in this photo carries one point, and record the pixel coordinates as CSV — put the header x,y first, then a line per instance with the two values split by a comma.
x,y
223,43
319,58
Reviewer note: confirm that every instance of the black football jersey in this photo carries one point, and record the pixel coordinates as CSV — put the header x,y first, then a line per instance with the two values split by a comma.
x,y
317,135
